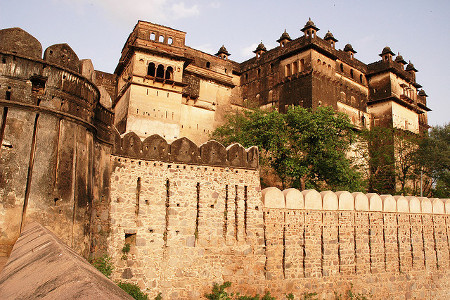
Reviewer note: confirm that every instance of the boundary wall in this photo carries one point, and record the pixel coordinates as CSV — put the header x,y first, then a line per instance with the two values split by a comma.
x,y
192,217
192,220
388,247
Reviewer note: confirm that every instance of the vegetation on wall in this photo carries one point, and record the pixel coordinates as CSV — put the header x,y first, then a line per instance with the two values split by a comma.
x,y
133,290
305,148
104,265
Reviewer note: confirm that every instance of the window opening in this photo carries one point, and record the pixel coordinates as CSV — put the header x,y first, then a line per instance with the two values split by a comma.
x,y
152,36
170,41
208,64
169,73
151,69
161,39
160,71
288,70
294,67
342,68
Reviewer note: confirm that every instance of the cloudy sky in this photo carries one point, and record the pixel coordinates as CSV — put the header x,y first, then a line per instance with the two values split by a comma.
x,y
97,29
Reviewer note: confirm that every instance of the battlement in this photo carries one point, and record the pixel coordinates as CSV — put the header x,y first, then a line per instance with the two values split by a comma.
x,y
185,151
345,201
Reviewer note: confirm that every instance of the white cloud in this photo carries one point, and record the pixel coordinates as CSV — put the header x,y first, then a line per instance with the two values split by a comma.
x,y
181,11
132,10
215,4
247,52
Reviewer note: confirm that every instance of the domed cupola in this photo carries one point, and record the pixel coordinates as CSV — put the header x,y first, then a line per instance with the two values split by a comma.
x,y
422,93
330,38
260,50
285,38
310,29
387,54
399,59
349,49
410,68
223,53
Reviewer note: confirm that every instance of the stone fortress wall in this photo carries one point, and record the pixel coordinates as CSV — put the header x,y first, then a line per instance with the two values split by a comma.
x,y
192,215
54,136
192,221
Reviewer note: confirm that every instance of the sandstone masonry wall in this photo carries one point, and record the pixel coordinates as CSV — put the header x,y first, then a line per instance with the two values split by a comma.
x,y
191,223
387,247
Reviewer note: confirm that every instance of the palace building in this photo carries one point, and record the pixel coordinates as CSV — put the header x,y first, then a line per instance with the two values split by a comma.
x,y
163,86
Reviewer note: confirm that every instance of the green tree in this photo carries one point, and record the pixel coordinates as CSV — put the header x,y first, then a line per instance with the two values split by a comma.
x,y
433,157
392,158
305,148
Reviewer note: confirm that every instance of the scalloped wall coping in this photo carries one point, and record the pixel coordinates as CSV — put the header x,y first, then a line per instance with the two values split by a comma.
x,y
183,150
327,200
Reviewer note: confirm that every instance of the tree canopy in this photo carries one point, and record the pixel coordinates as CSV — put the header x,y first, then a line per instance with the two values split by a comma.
x,y
305,148
433,156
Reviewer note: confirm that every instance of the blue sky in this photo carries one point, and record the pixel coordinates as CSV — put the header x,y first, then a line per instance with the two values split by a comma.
x,y
97,29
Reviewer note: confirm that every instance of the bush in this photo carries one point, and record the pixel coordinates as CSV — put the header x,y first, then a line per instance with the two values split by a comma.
x,y
104,265
218,293
133,290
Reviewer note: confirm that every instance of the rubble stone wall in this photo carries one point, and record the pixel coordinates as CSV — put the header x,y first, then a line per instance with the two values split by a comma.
x,y
191,224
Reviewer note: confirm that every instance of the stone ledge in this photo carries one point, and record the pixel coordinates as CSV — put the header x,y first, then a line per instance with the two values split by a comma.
x,y
41,266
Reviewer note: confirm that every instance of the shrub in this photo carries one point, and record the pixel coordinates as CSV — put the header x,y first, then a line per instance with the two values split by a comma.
x,y
104,265
133,290
218,293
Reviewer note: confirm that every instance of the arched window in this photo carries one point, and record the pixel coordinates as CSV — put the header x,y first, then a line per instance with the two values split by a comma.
x,y
152,36
169,73
288,70
208,64
302,65
151,69
351,73
342,97
161,39
170,41
160,71
361,78
342,68
294,67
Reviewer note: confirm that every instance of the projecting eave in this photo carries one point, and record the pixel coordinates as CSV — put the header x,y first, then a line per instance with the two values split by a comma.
x,y
419,108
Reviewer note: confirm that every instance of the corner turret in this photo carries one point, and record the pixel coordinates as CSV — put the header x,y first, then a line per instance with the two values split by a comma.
x,y
349,49
260,50
310,29
285,38
330,39
223,53
387,54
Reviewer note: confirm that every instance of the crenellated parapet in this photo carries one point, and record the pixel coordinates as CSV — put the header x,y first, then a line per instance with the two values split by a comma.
x,y
343,200
183,150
